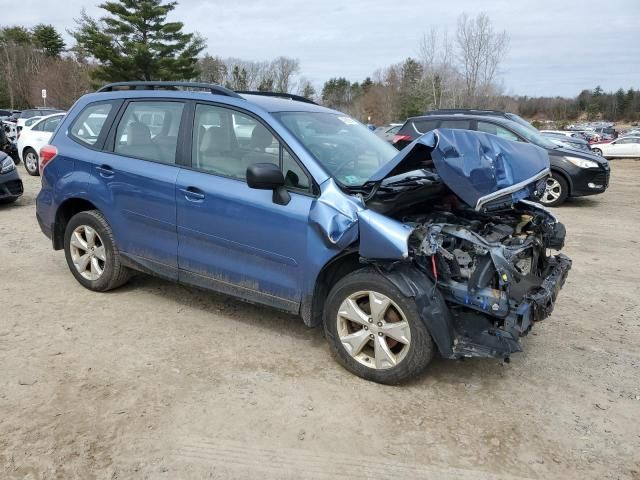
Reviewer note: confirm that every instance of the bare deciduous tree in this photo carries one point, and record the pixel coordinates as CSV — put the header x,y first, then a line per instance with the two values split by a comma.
x,y
284,69
480,51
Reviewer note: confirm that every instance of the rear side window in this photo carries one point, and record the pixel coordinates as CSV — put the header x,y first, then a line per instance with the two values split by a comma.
x,y
149,131
424,126
87,127
50,124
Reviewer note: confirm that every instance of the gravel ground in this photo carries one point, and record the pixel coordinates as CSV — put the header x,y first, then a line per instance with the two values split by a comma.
x,y
156,381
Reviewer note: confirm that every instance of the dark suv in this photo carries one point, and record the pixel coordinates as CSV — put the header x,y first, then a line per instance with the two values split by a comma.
x,y
285,203
573,173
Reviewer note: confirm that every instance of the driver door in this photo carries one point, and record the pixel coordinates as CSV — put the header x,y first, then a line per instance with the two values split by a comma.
x,y
232,238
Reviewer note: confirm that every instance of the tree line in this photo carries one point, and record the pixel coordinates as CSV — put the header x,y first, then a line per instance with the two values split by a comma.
x,y
135,41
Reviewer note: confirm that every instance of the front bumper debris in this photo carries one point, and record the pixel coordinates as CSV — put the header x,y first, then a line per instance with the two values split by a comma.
x,y
477,336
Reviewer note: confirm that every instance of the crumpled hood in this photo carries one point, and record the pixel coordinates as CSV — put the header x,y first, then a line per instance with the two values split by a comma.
x,y
477,167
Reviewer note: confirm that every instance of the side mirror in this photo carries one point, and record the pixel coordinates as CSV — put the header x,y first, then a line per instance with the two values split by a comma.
x,y
268,176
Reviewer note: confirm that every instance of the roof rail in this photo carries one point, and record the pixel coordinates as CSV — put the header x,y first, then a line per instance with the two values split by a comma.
x,y
290,96
460,110
215,89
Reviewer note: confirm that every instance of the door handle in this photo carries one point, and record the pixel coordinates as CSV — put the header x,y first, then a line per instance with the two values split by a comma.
x,y
105,171
192,194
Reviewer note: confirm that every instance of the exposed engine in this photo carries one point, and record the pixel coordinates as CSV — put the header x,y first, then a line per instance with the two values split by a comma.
x,y
488,263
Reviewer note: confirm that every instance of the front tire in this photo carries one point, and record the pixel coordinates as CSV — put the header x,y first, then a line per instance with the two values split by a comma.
x,y
91,252
556,191
374,331
31,162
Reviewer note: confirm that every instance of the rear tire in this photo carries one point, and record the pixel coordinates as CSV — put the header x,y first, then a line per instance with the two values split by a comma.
x,y
31,162
388,343
556,192
91,252
597,151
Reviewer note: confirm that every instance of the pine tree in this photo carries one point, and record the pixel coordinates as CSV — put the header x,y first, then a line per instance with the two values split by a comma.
x,y
135,42
47,38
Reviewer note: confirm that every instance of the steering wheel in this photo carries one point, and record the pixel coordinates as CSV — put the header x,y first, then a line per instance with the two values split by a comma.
x,y
334,158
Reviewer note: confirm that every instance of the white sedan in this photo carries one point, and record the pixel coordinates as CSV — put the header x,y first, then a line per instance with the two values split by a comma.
x,y
33,138
627,146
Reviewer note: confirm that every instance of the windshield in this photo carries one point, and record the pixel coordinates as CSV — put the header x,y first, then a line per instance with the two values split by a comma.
x,y
521,121
348,150
531,134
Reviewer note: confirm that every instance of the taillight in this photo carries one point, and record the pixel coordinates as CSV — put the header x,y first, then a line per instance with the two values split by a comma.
x,y
401,138
47,153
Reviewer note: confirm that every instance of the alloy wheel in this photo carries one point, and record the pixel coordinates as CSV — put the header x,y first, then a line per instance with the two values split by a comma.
x,y
87,252
373,330
552,192
31,162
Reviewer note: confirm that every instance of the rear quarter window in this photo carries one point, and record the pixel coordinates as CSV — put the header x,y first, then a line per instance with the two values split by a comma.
x,y
424,126
87,127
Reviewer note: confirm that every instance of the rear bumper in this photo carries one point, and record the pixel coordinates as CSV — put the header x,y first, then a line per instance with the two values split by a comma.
x,y
46,229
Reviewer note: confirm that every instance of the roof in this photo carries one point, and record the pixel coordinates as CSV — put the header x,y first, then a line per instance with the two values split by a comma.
x,y
461,116
278,104
268,101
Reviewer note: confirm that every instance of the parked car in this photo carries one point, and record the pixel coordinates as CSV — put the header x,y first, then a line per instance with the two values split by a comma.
x,y
10,130
317,216
33,138
21,117
627,146
388,132
608,133
482,112
573,173
574,143
565,133
7,144
11,187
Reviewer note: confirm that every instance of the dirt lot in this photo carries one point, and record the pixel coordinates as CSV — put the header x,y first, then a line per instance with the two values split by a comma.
x,y
155,380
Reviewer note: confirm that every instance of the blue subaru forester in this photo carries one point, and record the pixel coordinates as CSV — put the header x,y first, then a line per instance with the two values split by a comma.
x,y
276,200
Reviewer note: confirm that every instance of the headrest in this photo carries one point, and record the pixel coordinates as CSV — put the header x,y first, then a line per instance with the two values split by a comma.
x,y
138,134
261,138
214,138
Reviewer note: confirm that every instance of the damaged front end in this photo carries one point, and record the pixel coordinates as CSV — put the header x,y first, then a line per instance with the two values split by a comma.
x,y
493,271
450,225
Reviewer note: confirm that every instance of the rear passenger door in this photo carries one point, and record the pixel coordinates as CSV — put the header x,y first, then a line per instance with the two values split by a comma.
x,y
137,173
233,238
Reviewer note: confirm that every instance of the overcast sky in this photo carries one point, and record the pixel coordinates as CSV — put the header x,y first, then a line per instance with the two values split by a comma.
x,y
557,47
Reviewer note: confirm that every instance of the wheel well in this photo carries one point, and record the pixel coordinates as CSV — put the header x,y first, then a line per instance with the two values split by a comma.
x,y
330,274
565,177
65,212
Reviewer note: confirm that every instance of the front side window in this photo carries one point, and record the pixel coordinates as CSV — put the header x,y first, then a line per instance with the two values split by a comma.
x,y
149,131
348,150
226,142
494,129
89,124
